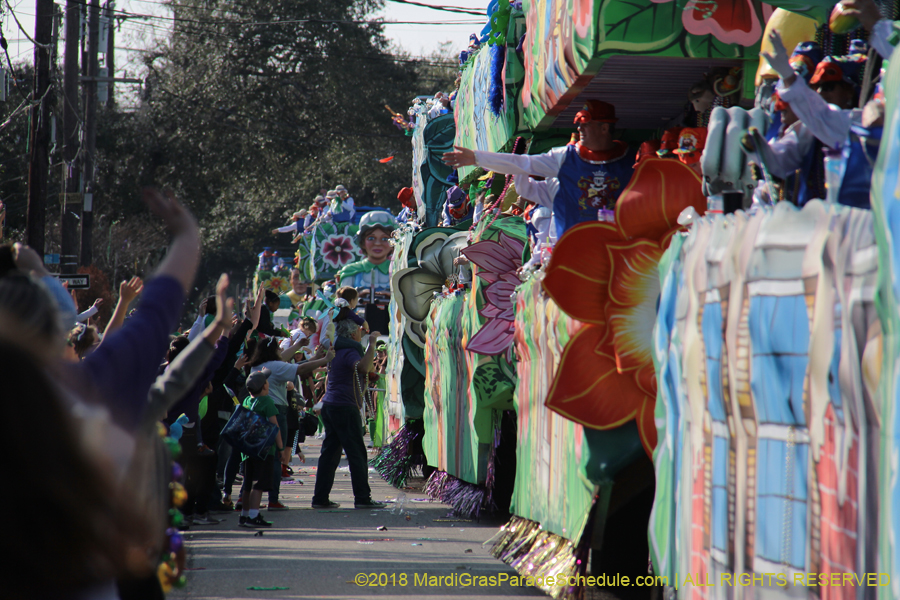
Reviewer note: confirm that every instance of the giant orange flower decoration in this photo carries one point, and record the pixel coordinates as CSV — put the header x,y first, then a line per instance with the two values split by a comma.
x,y
606,276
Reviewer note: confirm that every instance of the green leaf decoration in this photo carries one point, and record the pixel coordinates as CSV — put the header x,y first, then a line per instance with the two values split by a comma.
x,y
707,46
638,27
493,388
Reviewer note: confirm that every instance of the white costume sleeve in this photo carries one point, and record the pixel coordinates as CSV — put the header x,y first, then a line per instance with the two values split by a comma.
x,y
542,218
288,228
446,221
541,193
827,122
542,165
86,314
785,155
479,210
350,207
880,36
197,328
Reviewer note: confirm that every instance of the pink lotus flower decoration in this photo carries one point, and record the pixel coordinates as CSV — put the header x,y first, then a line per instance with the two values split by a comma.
x,y
337,250
497,263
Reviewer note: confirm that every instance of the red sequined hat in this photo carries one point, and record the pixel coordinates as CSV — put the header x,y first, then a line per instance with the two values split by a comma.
x,y
596,110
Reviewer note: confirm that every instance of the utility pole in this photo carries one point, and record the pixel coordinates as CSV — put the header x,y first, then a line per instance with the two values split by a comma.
x,y
71,202
90,131
111,52
39,134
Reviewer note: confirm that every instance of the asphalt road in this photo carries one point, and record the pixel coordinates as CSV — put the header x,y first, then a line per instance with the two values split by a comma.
x,y
321,554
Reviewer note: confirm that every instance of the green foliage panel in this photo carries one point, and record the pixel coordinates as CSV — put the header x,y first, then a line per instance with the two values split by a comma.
x,y
552,485
431,139
463,389
402,380
457,434
477,126
245,123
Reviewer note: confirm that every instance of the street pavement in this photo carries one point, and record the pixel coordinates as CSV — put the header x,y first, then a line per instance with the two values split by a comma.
x,y
323,553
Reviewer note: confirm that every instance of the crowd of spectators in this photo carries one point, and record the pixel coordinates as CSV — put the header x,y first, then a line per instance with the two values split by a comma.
x,y
107,401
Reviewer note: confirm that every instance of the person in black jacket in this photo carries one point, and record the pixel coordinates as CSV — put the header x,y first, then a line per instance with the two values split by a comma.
x,y
220,404
235,381
265,319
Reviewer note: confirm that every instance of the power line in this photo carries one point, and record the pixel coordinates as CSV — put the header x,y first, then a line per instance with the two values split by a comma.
x,y
22,29
458,9
197,30
283,22
453,9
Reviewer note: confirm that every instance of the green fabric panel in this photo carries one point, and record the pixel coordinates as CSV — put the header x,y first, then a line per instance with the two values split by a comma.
x,y
431,139
552,485
403,381
379,431
412,391
450,441
477,125
311,308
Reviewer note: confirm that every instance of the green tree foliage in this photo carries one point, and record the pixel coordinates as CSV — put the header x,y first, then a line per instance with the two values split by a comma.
x,y
254,106
14,149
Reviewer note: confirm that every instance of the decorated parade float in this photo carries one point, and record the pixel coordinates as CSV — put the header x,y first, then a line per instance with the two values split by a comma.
x,y
698,367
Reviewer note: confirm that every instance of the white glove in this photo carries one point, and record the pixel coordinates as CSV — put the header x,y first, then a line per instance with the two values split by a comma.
x,y
780,59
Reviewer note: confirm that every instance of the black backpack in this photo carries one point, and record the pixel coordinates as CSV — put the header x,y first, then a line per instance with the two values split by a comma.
x,y
309,423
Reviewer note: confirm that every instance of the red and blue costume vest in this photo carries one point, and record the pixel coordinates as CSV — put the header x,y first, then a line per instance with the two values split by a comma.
x,y
587,186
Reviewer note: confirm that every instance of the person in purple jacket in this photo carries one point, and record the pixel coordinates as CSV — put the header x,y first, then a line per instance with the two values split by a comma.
x,y
340,413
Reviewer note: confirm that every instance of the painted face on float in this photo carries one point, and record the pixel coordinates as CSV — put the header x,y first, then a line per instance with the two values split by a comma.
x,y
377,245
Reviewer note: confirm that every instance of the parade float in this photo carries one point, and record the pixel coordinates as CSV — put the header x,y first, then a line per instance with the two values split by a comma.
x,y
713,392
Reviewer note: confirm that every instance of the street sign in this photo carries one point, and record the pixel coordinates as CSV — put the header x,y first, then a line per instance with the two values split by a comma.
x,y
76,282
51,259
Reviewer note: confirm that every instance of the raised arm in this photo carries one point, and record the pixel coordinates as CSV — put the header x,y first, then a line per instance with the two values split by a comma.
x,y
128,291
827,122
256,309
320,360
93,310
224,309
539,192
368,360
183,257
543,165
288,353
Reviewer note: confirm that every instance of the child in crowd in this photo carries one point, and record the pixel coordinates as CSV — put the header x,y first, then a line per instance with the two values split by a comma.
x,y
347,297
305,331
258,472
80,341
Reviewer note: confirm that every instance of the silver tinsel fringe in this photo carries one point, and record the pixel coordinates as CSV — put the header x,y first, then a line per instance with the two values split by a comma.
x,y
534,552
467,500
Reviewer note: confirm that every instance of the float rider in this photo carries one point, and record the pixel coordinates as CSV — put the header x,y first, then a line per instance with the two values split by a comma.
x,y
849,144
592,173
